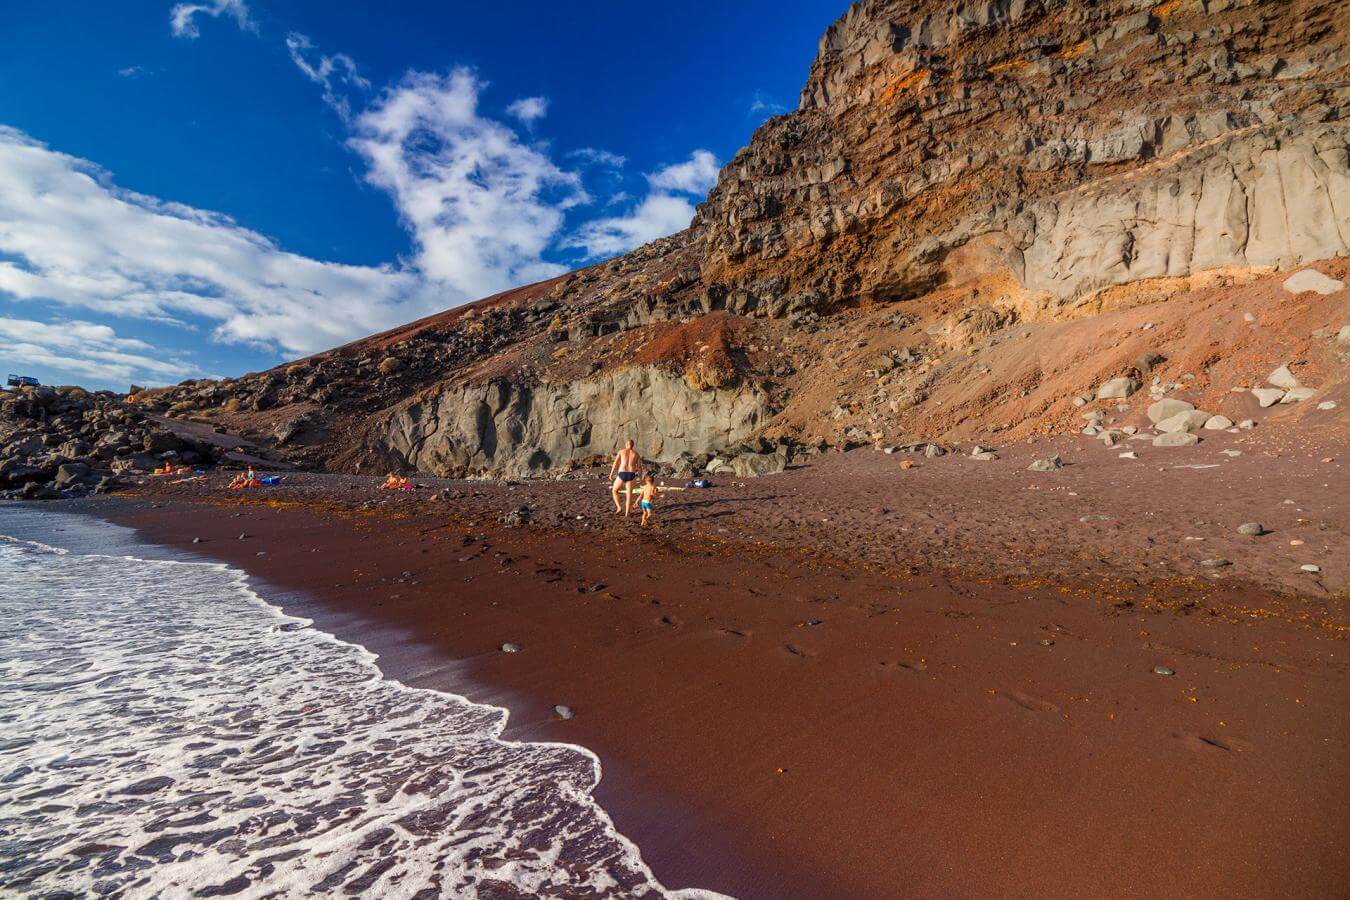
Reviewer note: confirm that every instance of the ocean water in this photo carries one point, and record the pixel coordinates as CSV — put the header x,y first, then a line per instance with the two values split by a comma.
x,y
164,732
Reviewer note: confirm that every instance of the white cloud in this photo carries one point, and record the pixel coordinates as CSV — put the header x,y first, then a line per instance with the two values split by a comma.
x,y
133,71
68,235
183,17
656,216
660,213
528,109
697,175
482,206
87,350
333,73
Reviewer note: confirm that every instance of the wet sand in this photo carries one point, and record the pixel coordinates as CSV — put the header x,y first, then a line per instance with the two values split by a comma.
x,y
776,724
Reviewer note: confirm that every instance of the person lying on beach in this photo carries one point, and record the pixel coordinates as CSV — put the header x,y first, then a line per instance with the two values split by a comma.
x,y
646,499
393,482
625,469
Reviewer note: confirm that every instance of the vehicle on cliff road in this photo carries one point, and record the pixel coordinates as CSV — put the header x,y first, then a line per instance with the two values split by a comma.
x,y
22,381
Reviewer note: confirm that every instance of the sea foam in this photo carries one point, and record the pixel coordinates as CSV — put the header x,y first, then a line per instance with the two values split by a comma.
x,y
165,732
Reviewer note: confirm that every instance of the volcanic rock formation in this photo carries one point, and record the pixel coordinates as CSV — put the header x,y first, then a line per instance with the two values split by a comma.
x,y
979,212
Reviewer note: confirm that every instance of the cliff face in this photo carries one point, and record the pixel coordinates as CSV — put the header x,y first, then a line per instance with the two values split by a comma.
x,y
959,176
1079,144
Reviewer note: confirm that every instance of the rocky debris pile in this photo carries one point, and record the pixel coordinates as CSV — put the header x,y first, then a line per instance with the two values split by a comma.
x,y
1286,389
65,441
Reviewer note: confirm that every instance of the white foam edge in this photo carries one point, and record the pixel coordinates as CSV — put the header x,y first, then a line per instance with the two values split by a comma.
x,y
242,581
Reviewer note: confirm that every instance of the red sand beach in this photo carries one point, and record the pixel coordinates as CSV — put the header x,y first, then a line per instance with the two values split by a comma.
x,y
975,711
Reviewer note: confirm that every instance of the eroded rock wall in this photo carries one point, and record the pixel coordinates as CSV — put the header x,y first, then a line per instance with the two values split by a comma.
x,y
1113,140
512,429
1277,196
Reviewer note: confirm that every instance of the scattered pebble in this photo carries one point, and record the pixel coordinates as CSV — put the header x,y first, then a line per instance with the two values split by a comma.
x,y
510,648
196,540
243,537
1216,563
1162,670
1251,529
1310,568
563,712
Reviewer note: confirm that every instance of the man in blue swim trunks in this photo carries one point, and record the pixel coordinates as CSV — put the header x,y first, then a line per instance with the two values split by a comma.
x,y
624,472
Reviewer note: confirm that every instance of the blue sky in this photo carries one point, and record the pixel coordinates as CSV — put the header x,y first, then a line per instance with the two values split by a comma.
x,y
210,187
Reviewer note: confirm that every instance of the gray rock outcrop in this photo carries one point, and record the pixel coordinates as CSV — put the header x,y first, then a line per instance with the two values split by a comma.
x,y
504,428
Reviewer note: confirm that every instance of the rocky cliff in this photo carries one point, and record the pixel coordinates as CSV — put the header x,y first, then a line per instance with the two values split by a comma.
x,y
942,241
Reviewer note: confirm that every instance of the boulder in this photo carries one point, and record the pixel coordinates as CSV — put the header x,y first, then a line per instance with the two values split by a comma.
x,y
1297,394
1267,396
389,365
1176,439
1191,420
70,473
136,462
747,465
1117,388
1283,378
1049,464
1166,408
1312,280
1218,423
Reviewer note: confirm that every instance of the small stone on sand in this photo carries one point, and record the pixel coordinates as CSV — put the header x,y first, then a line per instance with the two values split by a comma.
x,y
1251,529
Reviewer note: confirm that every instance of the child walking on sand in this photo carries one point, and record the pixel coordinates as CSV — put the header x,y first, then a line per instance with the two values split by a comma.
x,y
646,497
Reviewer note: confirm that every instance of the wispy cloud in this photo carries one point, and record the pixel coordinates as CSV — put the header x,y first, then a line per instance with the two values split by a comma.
x,y
183,16
528,110
482,206
133,71
333,73
663,211
761,104
595,157
87,350
69,236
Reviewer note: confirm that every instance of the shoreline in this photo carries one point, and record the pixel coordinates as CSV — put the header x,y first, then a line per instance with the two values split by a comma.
x,y
937,734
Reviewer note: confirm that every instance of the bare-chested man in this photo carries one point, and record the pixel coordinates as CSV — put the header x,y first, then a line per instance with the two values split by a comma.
x,y
625,470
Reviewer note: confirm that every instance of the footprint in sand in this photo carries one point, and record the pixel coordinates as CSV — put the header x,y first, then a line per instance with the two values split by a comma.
x,y
733,632
1202,743
798,651
1028,702
670,621
912,665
